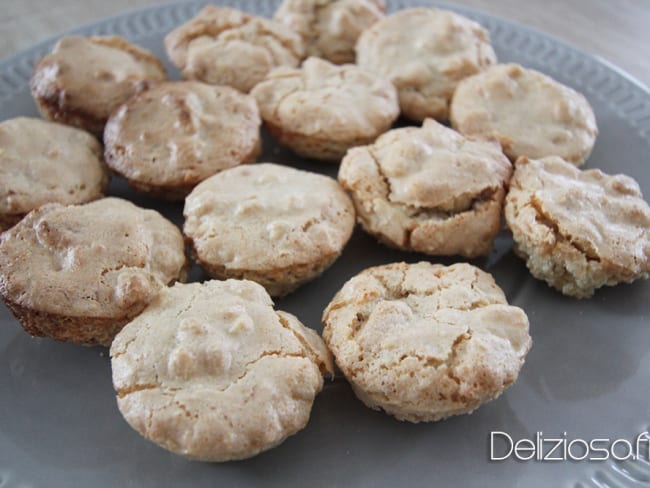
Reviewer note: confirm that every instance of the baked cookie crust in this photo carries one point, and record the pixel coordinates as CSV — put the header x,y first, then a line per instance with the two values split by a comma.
x,y
199,130
578,230
43,162
225,46
424,341
78,273
425,52
84,78
320,110
212,372
529,113
330,28
272,224
428,189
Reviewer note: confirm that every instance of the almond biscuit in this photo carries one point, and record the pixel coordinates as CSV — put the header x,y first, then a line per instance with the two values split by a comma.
x,y
424,341
275,225
578,230
212,372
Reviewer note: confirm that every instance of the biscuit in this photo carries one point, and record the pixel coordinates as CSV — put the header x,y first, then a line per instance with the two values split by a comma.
x,y
275,225
42,162
578,230
212,372
425,52
78,273
529,113
321,110
84,78
199,130
424,341
330,28
428,189
224,46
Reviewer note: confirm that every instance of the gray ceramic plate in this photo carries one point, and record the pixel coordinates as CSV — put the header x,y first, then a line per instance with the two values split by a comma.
x,y
588,373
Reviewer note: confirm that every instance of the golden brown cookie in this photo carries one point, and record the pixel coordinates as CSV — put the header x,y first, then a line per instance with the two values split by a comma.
x,y
424,341
78,273
212,372
43,162
167,139
529,113
428,189
330,28
578,230
275,225
425,52
84,78
320,110
225,46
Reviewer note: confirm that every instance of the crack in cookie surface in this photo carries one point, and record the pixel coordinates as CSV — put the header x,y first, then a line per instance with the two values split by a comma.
x,y
330,29
425,52
272,224
428,189
212,372
225,46
578,230
426,341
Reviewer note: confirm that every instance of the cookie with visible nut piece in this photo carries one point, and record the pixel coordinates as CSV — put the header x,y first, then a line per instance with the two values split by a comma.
x,y
529,113
212,372
225,46
78,273
320,110
428,189
43,162
425,52
197,131
275,225
84,78
330,28
578,230
424,341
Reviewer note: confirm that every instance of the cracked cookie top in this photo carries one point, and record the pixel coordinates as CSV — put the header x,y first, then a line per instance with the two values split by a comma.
x,y
529,113
266,217
224,46
199,130
212,372
579,230
84,78
326,101
425,341
42,162
105,259
330,28
425,52
428,189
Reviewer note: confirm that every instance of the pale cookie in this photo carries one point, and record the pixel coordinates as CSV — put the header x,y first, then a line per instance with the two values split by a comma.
x,y
578,230
321,110
425,52
330,28
84,78
424,341
529,113
224,46
275,225
167,139
211,372
42,162
78,273
428,189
